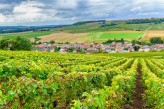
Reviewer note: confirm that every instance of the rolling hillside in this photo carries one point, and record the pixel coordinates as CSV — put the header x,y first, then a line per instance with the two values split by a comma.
x,y
99,31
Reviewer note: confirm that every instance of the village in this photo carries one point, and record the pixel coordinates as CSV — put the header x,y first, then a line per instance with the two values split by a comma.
x,y
95,47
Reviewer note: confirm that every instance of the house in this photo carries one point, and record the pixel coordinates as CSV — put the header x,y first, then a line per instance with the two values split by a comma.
x,y
96,47
128,48
131,49
63,50
77,47
119,47
106,47
45,47
86,45
141,50
157,47
145,48
92,50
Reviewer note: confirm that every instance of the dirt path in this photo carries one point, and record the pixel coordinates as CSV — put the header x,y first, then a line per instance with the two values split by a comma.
x,y
138,102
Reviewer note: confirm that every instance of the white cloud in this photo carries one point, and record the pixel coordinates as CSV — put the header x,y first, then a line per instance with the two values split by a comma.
x,y
65,4
2,18
68,11
135,9
28,11
148,1
149,13
28,7
98,2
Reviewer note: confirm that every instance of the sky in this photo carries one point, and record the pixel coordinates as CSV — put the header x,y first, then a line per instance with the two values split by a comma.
x,y
59,12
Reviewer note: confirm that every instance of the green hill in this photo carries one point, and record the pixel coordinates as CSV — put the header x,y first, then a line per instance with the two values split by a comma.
x,y
133,25
101,30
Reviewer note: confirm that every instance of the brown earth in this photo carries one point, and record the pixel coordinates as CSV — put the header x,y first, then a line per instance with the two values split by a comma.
x,y
138,102
81,37
153,33
64,37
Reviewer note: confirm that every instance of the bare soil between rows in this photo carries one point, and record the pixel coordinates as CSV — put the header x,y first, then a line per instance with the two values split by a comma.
x,y
138,101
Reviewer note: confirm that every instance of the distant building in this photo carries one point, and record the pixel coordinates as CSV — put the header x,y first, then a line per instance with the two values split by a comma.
x,y
96,47
145,48
157,47
92,50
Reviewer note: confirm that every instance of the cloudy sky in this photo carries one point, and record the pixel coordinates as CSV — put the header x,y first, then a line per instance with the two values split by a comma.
x,y
51,12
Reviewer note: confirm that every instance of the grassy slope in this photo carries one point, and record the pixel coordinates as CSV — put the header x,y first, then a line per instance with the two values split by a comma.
x,y
27,34
95,32
119,35
103,36
122,26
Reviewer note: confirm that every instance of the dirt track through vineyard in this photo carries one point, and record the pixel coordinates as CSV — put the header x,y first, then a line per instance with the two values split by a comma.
x,y
138,102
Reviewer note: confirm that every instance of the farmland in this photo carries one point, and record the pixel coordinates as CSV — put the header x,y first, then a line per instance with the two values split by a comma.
x,y
121,35
121,26
118,35
104,36
57,36
26,34
64,37
103,81
46,36
90,32
153,33
90,37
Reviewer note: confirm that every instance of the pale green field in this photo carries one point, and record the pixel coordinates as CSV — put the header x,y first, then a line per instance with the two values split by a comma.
x,y
26,34
103,36
76,37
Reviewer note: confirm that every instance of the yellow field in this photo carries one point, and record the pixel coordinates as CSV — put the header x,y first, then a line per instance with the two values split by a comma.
x,y
97,36
64,37
153,33
81,37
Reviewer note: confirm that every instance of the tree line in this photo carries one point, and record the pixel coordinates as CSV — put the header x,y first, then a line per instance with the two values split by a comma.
x,y
153,40
18,43
109,41
141,21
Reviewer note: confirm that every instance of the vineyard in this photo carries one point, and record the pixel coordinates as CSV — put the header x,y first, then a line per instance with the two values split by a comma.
x,y
36,80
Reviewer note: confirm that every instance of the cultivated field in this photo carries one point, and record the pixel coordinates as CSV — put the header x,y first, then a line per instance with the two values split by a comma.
x,y
90,37
153,33
65,37
26,34
37,80
127,35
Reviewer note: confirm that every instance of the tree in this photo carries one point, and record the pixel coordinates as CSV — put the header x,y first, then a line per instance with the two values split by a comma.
x,y
136,42
57,49
133,42
122,41
114,40
70,49
15,44
4,43
67,42
156,40
136,48
52,42
39,42
21,44
108,42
